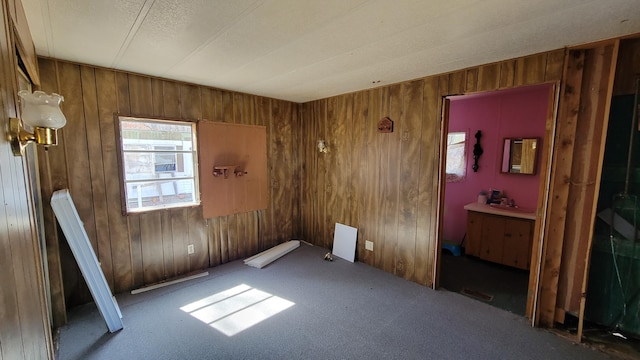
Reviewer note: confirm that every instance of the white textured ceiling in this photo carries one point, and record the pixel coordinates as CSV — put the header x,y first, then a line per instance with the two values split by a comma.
x,y
302,50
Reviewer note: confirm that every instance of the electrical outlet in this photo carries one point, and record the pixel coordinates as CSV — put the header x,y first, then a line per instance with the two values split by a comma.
x,y
190,249
368,245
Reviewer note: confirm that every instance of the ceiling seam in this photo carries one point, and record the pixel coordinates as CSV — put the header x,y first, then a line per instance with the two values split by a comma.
x,y
144,11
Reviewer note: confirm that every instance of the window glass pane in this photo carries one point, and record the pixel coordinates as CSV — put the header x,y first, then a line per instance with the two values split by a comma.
x,y
158,164
456,156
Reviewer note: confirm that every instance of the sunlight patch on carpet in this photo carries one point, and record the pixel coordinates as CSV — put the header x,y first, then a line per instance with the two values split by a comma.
x,y
237,309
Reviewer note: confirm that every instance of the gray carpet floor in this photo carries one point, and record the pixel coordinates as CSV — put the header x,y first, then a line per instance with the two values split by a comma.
x,y
507,286
340,310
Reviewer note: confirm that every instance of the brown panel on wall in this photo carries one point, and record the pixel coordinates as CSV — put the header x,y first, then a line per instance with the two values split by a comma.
x,y
457,82
169,267
281,169
489,77
531,69
507,73
198,237
171,99
79,178
321,234
586,169
140,95
49,183
96,171
555,65
391,163
236,147
472,80
427,175
628,67
150,237
409,178
559,190
267,237
359,173
179,240
157,97
191,105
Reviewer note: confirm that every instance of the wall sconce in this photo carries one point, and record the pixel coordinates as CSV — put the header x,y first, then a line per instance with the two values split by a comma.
x,y
322,147
40,112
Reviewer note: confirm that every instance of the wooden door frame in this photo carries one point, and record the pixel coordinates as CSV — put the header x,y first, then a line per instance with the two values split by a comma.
x,y
543,195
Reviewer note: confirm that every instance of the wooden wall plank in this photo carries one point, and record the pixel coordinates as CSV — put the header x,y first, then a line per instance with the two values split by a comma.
x,y
426,166
118,232
180,231
392,108
628,63
507,73
140,95
489,77
472,80
409,178
333,174
373,185
168,265
96,171
320,110
591,130
531,69
555,65
282,169
358,173
50,183
171,99
213,235
76,165
267,235
457,82
133,222
198,237
559,191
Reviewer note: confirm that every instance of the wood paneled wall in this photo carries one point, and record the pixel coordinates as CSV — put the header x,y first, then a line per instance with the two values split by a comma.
x,y
388,185
24,321
587,93
145,248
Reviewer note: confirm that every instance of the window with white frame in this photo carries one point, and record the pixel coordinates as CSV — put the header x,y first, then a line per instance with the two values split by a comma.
x,y
456,156
159,164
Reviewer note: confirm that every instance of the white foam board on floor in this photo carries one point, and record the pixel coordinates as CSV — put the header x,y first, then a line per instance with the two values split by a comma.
x,y
344,242
74,232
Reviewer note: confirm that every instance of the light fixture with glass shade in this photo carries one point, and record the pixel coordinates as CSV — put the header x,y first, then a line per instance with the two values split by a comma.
x,y
40,113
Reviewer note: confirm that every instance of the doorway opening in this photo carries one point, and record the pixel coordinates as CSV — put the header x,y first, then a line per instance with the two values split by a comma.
x,y
490,208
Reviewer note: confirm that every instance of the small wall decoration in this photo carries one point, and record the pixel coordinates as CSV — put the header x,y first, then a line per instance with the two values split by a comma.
x,y
477,151
385,125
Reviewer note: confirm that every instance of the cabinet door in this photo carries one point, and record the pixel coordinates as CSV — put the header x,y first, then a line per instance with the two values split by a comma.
x,y
517,243
474,233
492,245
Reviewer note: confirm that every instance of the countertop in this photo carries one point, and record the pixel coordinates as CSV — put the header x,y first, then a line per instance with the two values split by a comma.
x,y
503,210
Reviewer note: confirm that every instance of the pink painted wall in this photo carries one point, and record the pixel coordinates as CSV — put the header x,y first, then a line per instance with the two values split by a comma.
x,y
507,113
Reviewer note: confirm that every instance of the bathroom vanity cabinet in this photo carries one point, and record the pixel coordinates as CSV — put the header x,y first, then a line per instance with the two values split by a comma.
x,y
500,234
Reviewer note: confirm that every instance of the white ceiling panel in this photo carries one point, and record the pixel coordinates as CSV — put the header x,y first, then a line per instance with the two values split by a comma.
x,y
306,50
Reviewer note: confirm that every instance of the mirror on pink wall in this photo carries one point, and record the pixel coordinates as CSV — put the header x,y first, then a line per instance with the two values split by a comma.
x,y
519,156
